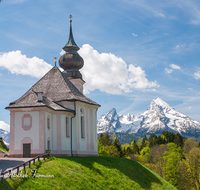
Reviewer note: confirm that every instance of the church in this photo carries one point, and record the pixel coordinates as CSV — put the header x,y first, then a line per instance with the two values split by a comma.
x,y
53,115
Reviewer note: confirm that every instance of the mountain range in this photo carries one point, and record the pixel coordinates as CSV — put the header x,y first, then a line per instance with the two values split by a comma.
x,y
158,117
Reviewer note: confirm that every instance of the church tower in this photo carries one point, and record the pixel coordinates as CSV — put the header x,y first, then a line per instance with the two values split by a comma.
x,y
72,62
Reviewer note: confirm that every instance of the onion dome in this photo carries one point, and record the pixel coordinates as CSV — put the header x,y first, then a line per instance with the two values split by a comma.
x,y
71,61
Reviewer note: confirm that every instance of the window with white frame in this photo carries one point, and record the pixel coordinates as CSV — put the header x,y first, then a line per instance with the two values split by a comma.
x,y
67,127
82,127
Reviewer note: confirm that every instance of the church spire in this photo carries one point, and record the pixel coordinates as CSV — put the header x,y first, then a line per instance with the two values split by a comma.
x,y
71,61
71,44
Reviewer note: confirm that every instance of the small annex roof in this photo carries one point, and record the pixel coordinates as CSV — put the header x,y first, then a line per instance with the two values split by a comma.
x,y
55,87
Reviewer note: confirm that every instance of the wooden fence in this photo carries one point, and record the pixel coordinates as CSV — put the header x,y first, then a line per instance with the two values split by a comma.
x,y
23,166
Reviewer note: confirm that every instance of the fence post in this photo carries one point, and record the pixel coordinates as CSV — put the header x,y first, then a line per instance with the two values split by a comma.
x,y
17,170
10,173
24,167
29,164
2,177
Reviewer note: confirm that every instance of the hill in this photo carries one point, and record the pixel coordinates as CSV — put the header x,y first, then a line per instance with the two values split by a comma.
x,y
3,145
90,173
158,117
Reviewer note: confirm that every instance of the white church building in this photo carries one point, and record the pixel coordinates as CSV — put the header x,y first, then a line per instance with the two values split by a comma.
x,y
54,115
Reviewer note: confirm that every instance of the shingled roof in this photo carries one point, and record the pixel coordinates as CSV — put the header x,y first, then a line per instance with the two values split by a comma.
x,y
56,87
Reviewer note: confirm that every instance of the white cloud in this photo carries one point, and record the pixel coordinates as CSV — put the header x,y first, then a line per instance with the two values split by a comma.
x,y
144,33
111,74
166,34
62,52
197,75
173,66
180,46
17,63
190,88
135,35
168,70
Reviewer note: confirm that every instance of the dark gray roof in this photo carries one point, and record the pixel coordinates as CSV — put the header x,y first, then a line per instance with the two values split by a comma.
x,y
55,87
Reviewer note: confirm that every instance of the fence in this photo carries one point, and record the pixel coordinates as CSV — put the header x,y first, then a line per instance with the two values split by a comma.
x,y
23,166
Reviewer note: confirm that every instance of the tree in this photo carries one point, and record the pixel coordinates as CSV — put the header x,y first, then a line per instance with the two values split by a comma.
x,y
178,140
189,144
145,155
172,159
101,150
113,152
152,140
105,139
193,160
118,146
157,157
135,147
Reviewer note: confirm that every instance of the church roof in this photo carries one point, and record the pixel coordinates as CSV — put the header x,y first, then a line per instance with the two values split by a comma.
x,y
55,87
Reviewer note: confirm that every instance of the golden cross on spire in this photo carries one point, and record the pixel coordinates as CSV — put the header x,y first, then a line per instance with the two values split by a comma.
x,y
70,16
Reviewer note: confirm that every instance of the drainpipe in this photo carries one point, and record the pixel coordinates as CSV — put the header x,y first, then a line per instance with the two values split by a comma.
x,y
71,125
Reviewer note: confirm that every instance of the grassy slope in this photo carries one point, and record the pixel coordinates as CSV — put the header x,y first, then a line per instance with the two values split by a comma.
x,y
90,173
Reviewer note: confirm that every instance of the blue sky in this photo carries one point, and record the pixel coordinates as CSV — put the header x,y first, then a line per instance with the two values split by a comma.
x,y
134,51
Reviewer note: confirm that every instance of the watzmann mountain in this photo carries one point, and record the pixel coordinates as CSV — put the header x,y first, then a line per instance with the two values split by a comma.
x,y
158,117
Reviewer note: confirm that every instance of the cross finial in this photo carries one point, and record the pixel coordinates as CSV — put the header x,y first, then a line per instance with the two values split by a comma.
x,y
70,16
55,60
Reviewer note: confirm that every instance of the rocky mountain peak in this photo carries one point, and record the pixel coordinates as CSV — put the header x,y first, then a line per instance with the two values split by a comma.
x,y
159,116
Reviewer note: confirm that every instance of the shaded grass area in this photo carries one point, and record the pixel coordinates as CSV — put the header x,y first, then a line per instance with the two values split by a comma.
x,y
89,173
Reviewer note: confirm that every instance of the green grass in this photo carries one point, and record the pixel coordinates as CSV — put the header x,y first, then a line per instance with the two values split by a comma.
x,y
89,173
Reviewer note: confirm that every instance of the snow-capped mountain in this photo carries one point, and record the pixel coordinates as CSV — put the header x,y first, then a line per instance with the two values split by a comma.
x,y
5,132
158,117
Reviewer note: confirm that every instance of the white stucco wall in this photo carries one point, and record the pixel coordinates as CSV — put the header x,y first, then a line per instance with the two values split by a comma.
x,y
20,133
54,132
65,141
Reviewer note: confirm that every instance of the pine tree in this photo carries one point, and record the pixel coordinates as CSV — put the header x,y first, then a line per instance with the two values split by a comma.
x,y
118,146
135,147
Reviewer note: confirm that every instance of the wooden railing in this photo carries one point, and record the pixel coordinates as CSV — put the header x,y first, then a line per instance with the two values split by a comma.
x,y
23,166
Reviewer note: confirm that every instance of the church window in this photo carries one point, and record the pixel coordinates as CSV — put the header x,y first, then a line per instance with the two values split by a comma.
x,y
67,127
48,145
48,123
82,127
26,122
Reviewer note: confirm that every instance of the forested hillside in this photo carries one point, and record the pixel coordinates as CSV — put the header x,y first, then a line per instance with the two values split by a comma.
x,y
172,156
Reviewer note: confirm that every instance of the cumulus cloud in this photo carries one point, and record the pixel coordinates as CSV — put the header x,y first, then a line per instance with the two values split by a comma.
x,y
168,70
173,66
17,63
111,74
197,75
180,46
135,35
